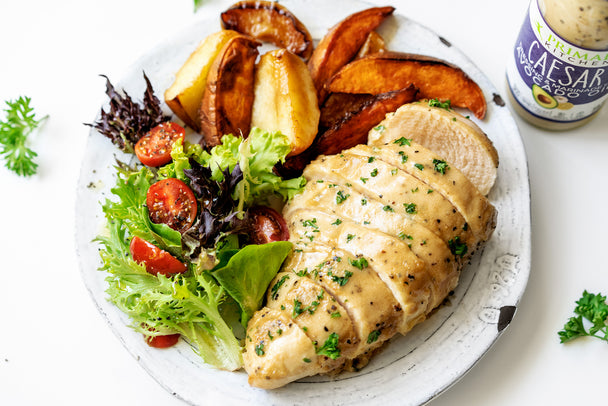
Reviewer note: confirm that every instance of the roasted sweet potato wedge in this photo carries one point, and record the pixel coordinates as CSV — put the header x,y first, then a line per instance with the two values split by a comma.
x,y
355,126
341,44
228,97
338,105
285,99
389,71
185,94
374,44
269,21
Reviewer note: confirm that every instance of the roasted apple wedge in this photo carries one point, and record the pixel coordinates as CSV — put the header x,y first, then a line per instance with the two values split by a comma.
x,y
355,126
285,99
341,44
185,94
269,21
228,97
387,71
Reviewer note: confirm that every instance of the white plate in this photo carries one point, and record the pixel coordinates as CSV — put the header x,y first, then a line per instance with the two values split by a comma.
x,y
412,369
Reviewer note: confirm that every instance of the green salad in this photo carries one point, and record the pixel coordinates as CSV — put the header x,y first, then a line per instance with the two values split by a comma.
x,y
200,274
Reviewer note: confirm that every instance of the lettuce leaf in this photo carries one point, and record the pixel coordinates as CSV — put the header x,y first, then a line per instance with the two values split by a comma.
x,y
248,272
131,210
185,303
257,155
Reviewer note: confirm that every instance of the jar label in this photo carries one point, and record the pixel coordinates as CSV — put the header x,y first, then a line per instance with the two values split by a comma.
x,y
552,78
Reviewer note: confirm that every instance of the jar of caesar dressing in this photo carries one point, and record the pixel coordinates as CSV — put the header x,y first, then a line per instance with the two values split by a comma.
x,y
558,75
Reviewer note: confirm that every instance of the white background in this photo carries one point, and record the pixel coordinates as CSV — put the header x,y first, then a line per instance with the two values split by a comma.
x,y
55,348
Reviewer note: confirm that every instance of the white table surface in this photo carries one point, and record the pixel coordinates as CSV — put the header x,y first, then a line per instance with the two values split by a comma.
x,y
55,348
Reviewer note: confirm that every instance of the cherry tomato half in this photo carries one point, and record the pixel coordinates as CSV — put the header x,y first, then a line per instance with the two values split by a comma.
x,y
154,148
155,260
268,225
162,341
172,202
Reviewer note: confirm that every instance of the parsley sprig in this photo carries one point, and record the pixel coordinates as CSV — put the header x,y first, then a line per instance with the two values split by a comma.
x,y
19,123
592,308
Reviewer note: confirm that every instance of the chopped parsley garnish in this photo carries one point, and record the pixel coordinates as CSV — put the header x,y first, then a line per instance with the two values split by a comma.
x,y
373,336
363,202
404,236
275,289
349,237
410,208
457,247
447,105
301,273
394,171
419,166
374,173
359,263
440,166
335,315
388,208
364,180
340,280
403,141
337,222
297,308
380,128
307,360
330,347
311,223
341,197
259,349
371,159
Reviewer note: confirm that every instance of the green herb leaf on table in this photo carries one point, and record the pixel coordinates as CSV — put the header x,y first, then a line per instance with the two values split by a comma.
x,y
590,321
19,123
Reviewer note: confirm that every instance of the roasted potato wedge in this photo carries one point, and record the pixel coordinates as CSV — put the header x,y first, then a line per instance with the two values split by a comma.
x,y
285,99
374,44
389,71
185,94
269,21
228,97
355,126
341,44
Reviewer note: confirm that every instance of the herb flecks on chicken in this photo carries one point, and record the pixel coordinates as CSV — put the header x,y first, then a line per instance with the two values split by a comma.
x,y
127,121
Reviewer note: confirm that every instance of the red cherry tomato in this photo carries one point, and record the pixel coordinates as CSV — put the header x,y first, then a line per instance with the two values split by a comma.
x,y
154,148
162,341
155,260
268,225
172,202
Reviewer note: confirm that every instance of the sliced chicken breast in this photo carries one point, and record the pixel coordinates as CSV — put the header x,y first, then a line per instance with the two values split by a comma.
x,y
431,169
446,132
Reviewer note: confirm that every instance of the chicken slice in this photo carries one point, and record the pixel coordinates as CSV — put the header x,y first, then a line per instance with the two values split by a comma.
x,y
401,270
398,189
373,309
425,165
442,265
311,308
277,351
450,135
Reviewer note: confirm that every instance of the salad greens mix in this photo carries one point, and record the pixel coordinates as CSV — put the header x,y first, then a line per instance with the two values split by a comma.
x,y
227,277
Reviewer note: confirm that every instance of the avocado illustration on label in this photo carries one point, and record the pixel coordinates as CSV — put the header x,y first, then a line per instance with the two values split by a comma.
x,y
543,98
